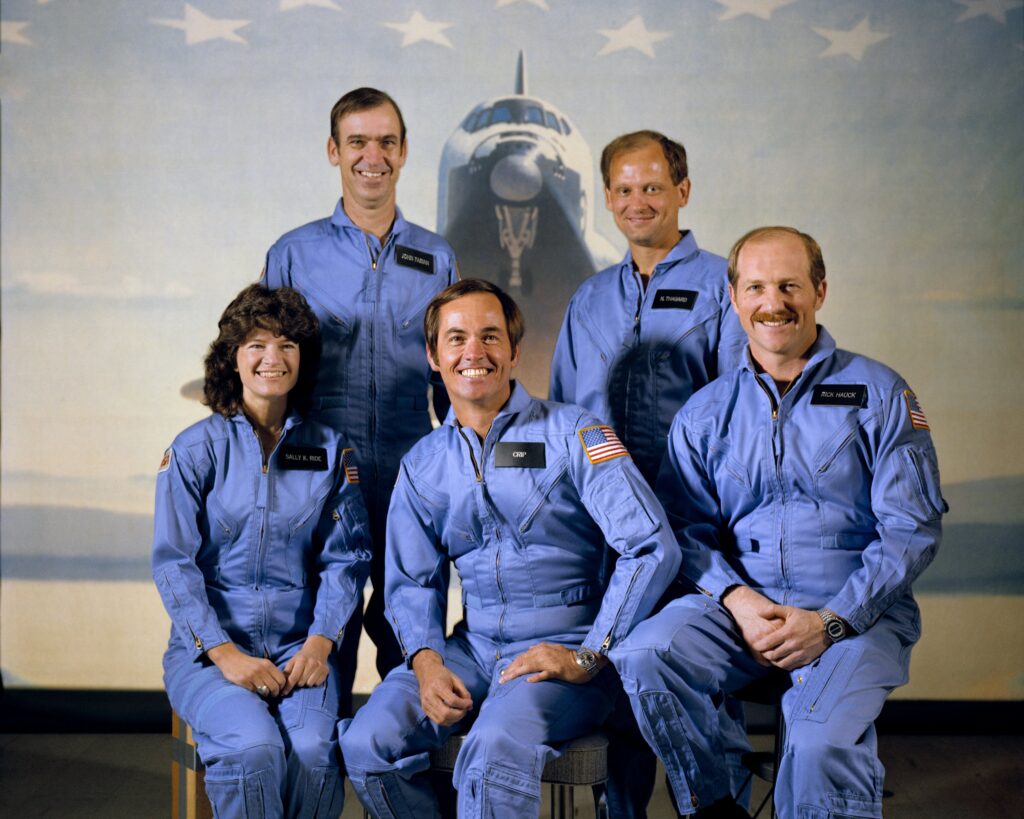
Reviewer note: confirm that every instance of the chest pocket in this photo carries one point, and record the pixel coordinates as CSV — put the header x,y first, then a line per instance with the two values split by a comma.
x,y
538,498
300,555
840,464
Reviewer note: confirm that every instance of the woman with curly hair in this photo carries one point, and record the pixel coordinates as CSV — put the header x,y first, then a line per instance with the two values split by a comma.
x,y
260,554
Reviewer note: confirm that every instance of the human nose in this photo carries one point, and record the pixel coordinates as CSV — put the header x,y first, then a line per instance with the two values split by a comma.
x,y
373,152
474,348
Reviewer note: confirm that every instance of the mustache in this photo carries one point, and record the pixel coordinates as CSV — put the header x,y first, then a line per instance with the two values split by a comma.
x,y
782,315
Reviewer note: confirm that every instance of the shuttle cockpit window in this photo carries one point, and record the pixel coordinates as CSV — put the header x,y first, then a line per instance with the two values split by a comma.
x,y
515,111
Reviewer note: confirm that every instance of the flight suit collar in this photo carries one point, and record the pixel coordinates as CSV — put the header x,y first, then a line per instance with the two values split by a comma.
x,y
683,251
341,219
823,347
518,401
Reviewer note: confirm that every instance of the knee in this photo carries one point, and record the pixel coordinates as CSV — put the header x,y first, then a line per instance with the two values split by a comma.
x,y
313,748
252,759
369,742
820,742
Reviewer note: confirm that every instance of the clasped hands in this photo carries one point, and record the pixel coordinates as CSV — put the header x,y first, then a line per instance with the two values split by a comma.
x,y
782,636
308,668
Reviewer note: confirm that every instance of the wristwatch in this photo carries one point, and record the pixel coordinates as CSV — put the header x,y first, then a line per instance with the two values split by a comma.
x,y
835,626
587,660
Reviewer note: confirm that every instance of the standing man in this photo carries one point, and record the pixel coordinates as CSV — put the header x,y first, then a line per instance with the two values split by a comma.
x,y
639,338
804,489
369,275
521,495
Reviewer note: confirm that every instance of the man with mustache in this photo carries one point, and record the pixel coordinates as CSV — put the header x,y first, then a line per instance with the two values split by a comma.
x,y
369,274
804,490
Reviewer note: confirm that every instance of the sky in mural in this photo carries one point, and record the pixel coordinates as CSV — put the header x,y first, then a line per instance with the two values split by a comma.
x,y
153,149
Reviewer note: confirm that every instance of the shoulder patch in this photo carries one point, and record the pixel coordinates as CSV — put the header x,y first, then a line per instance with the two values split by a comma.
x,y
601,444
165,462
917,418
348,463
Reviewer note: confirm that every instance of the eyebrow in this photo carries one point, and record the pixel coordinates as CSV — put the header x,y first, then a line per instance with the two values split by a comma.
x,y
366,136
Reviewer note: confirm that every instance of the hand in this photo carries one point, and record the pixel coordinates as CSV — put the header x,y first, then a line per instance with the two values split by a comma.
x,y
443,696
246,671
755,616
547,661
798,641
308,668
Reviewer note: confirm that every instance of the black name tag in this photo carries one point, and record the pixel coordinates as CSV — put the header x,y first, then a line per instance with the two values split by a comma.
x,y
840,395
302,457
525,455
675,299
410,257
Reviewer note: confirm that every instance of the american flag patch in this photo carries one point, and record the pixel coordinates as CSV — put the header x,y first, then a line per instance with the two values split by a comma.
x,y
917,419
348,463
601,444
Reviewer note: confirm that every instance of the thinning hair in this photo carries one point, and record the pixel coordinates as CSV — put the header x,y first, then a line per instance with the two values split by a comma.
x,y
514,322
675,153
283,312
814,258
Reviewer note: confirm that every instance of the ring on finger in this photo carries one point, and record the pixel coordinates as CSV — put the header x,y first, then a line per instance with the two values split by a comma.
x,y
262,690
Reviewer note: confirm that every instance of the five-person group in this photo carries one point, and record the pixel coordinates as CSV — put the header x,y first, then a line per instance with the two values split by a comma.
x,y
715,496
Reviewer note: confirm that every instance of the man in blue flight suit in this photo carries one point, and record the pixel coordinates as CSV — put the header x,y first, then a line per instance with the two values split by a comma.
x,y
638,340
521,495
804,489
640,337
368,275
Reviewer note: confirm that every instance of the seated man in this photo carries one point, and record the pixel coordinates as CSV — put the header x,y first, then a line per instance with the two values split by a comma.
x,y
804,489
521,495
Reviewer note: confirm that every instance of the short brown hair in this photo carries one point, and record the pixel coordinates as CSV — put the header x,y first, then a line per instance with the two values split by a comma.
x,y
284,312
814,257
363,99
513,315
675,153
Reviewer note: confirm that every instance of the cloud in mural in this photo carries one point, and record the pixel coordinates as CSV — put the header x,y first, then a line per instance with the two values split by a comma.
x,y
70,286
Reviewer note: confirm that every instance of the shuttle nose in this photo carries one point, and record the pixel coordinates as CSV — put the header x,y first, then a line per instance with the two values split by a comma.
x,y
516,178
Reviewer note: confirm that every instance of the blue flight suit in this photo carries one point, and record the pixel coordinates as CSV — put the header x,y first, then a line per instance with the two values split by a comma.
x,y
633,355
529,545
825,496
373,378
263,559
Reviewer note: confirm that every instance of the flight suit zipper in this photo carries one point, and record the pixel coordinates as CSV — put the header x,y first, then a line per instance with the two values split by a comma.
x,y
778,471
472,457
629,588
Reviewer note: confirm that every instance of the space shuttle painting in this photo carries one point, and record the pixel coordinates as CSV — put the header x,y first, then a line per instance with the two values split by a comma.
x,y
516,199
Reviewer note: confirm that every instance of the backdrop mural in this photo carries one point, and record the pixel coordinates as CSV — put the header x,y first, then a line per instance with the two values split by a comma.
x,y
152,151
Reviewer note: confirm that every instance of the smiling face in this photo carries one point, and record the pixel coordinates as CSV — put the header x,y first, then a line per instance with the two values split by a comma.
x,y
370,154
643,199
268,366
776,302
474,355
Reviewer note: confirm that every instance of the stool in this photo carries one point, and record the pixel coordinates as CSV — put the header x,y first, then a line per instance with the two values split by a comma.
x,y
188,790
765,764
583,763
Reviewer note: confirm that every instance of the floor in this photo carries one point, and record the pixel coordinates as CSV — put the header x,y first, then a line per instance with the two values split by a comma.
x,y
128,776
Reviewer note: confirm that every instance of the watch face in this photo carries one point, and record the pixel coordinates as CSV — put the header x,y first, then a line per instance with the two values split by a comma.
x,y
836,630
586,659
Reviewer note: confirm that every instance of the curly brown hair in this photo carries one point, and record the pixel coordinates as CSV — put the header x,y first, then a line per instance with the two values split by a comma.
x,y
284,312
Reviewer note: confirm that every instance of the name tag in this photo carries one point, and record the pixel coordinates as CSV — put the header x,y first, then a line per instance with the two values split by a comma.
x,y
675,299
302,457
410,257
524,455
840,395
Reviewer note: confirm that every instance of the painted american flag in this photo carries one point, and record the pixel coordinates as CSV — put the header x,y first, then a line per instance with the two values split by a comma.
x,y
601,444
